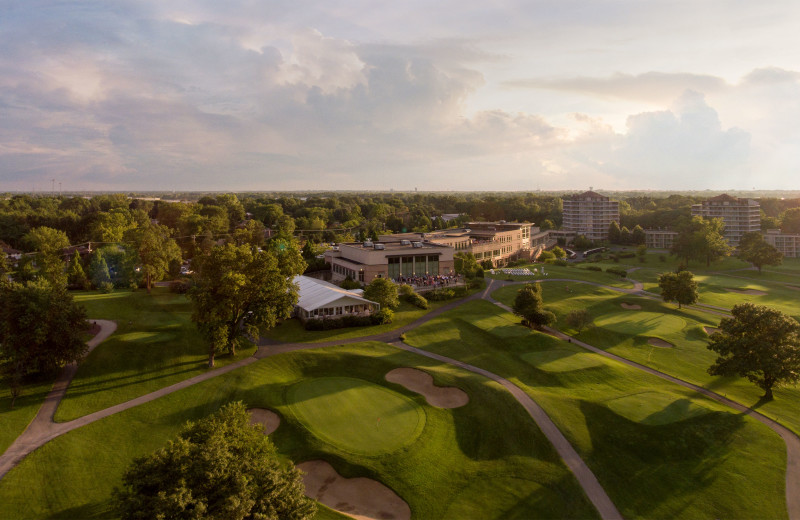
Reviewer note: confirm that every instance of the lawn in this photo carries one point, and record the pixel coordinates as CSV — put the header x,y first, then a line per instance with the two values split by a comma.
x,y
688,360
571,272
155,345
14,421
455,465
667,454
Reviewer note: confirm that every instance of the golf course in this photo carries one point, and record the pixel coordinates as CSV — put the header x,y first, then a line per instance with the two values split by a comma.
x,y
456,411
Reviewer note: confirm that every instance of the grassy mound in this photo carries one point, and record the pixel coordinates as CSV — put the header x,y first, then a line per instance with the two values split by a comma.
x,y
561,360
656,408
356,415
638,323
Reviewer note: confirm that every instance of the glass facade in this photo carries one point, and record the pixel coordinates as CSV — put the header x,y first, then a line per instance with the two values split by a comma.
x,y
417,265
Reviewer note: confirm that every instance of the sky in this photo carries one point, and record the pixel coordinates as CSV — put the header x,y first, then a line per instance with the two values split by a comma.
x,y
262,95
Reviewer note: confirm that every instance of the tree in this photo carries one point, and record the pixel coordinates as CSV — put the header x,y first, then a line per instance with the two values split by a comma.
x,y
678,287
701,239
754,249
76,276
4,268
528,306
156,250
790,221
98,269
465,263
239,293
41,329
559,252
579,319
614,232
758,343
219,467
49,245
638,236
252,233
383,291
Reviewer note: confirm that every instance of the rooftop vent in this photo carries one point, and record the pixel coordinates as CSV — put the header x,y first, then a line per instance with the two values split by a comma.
x,y
380,247
368,244
405,242
416,244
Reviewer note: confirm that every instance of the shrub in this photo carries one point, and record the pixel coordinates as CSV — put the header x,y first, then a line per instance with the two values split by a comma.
x,y
662,258
642,259
560,262
383,316
593,268
348,283
619,272
179,286
627,255
417,300
105,287
476,283
442,294
405,290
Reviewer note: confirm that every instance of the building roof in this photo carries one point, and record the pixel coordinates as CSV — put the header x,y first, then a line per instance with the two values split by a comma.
x,y
589,195
314,294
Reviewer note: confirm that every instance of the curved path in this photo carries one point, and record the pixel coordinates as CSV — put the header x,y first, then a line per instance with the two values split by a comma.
x,y
42,429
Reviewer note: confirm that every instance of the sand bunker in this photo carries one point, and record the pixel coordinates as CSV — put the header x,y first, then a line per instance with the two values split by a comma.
x,y
422,383
710,330
361,498
268,418
749,292
658,342
631,306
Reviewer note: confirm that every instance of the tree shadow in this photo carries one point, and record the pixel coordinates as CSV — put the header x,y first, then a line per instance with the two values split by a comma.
x,y
99,509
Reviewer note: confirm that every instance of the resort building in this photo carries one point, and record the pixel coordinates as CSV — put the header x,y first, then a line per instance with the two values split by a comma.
x,y
659,238
788,245
589,214
498,242
740,215
365,261
319,299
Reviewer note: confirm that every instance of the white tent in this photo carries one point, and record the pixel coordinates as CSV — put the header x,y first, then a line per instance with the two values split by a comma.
x,y
319,299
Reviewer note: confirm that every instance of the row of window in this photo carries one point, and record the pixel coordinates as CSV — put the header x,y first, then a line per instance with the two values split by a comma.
x,y
344,271
416,265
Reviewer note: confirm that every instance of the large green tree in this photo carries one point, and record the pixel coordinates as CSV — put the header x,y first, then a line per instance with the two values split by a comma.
x,y
754,249
41,329
155,250
49,244
528,306
383,291
219,468
678,287
790,221
758,343
238,293
701,239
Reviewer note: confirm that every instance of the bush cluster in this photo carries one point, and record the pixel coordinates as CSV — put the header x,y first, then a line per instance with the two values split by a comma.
x,y
593,268
619,272
416,300
447,293
180,286
378,318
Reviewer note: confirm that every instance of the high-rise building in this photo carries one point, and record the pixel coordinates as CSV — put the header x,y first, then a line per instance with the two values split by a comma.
x,y
589,214
740,215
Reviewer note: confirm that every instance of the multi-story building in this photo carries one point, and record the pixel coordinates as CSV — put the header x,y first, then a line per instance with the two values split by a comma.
x,y
365,261
589,214
740,215
788,245
497,242
659,238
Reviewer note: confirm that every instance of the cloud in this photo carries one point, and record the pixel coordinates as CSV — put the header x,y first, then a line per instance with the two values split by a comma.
x,y
651,87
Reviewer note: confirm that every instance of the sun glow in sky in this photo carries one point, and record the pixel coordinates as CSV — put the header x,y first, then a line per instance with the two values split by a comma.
x,y
350,94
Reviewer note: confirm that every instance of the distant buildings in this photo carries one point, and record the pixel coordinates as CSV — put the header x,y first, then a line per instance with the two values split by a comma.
x,y
740,215
589,214
365,261
498,242
788,245
659,238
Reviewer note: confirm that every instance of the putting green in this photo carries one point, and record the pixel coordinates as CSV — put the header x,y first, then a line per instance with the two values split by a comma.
x,y
561,360
638,323
655,408
355,415
503,497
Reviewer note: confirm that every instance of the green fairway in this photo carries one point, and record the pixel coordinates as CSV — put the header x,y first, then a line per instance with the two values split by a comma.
x,y
561,360
156,344
669,454
356,415
641,322
571,272
656,408
492,436
507,498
